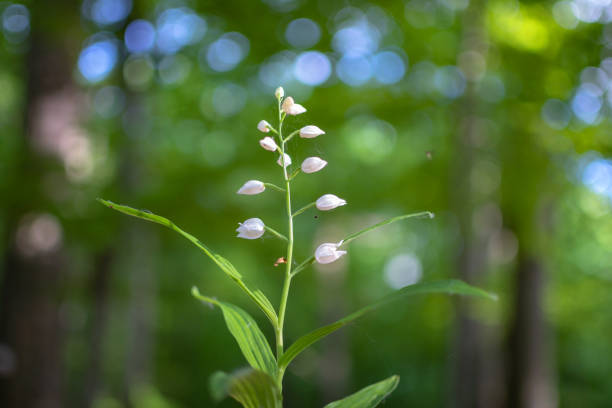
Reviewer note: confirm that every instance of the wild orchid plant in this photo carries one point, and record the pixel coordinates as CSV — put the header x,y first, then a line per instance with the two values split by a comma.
x,y
261,385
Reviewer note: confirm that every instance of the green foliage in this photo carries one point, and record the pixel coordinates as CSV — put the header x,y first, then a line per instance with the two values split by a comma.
x,y
249,337
251,388
226,266
368,397
453,287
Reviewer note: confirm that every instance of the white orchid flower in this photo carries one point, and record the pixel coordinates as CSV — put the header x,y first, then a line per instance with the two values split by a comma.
x,y
252,187
264,126
310,132
291,108
313,164
252,228
287,160
329,202
268,143
328,253
279,93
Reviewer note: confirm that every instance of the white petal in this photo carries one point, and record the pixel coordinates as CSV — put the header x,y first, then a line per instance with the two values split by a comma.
x,y
252,187
287,103
287,160
263,126
252,228
295,109
279,93
313,164
268,143
329,202
328,253
311,131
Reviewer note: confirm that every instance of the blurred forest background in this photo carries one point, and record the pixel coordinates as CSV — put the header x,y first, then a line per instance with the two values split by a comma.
x,y
493,114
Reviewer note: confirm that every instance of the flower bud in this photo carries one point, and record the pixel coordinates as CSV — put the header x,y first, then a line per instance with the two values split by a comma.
x,y
279,93
268,143
291,108
252,187
263,126
287,160
252,228
310,131
328,253
313,164
329,202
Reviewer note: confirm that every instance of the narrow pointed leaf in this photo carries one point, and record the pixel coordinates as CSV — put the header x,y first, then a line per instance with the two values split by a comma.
x,y
249,337
453,287
226,266
368,397
251,388
355,235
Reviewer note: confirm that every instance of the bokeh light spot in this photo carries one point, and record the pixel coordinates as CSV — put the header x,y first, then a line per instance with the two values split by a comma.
x,y
354,71
403,270
108,12
140,36
227,52
597,176
302,33
312,68
97,60
556,113
389,67
109,101
228,99
16,19
368,139
449,81
356,40
587,103
177,28
174,69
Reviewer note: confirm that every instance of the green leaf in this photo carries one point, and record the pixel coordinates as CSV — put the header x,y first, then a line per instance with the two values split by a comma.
x,y
226,266
251,388
368,397
454,287
355,235
249,337
219,383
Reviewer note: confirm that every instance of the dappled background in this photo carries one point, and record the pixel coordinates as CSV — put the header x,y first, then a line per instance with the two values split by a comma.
x,y
495,115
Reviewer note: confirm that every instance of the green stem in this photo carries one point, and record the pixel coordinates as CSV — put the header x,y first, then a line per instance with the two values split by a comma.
x,y
304,208
274,187
276,233
303,265
287,283
291,135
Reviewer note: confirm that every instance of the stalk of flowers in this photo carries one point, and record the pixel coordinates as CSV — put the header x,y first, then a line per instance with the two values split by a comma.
x,y
262,384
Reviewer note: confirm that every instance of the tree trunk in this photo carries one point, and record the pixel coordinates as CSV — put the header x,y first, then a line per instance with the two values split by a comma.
x,y
530,377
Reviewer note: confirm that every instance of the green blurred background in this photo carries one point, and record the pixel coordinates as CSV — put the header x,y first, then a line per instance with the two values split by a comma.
x,y
495,115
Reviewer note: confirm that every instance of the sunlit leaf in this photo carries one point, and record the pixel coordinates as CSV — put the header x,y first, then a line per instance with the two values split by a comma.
x,y
226,266
249,337
368,397
454,287
251,388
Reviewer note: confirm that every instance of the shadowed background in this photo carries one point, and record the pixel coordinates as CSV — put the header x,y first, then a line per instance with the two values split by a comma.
x,y
492,114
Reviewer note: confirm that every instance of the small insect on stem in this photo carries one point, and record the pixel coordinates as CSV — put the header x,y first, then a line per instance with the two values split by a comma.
x,y
280,260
